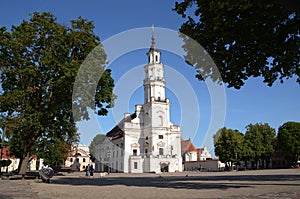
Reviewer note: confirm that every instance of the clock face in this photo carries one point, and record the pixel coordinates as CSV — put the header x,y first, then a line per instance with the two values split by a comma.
x,y
159,72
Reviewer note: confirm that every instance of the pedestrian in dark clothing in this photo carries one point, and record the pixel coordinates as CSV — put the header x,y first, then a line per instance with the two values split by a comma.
x,y
87,170
91,170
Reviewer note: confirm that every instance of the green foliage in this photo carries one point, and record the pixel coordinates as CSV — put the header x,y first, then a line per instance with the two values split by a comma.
x,y
96,140
217,136
39,62
54,150
260,139
289,140
244,38
257,143
228,146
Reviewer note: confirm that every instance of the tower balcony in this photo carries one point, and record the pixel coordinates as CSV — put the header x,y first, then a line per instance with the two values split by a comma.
x,y
135,157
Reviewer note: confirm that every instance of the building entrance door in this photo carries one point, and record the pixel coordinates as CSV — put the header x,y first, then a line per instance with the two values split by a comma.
x,y
164,167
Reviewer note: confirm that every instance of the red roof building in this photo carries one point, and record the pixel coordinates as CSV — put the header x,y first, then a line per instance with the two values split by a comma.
x,y
187,146
5,153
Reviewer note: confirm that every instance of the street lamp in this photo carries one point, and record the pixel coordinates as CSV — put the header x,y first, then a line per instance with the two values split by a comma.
x,y
108,156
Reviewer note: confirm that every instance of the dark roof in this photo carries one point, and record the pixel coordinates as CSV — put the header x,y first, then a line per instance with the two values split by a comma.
x,y
117,132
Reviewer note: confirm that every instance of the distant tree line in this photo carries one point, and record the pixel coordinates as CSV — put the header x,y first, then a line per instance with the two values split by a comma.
x,y
258,143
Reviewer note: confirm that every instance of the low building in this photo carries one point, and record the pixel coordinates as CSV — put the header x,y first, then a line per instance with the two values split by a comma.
x,y
204,165
188,151
203,154
79,158
193,157
279,160
34,164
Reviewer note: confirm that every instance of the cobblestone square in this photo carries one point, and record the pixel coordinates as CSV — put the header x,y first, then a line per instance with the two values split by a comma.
x,y
242,184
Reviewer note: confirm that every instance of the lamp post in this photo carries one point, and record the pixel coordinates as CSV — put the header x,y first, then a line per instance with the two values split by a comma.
x,y
108,156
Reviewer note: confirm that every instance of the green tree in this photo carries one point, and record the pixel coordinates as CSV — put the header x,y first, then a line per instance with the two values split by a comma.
x,y
244,38
260,139
96,140
54,150
289,140
246,153
39,62
228,146
217,136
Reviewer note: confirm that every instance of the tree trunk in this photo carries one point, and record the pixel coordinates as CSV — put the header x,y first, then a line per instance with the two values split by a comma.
x,y
24,164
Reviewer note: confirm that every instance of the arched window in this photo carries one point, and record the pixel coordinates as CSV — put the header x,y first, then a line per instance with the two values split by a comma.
x,y
161,120
156,58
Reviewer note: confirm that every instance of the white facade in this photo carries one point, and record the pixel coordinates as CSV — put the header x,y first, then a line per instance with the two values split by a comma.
x,y
145,141
32,165
204,154
79,158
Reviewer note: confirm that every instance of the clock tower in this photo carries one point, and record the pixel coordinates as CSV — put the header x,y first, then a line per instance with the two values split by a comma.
x,y
148,140
154,82
156,107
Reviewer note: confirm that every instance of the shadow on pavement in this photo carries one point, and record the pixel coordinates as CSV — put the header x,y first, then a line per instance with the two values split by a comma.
x,y
182,182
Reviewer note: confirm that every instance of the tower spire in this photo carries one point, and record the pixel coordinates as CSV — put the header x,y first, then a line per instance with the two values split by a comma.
x,y
153,53
153,46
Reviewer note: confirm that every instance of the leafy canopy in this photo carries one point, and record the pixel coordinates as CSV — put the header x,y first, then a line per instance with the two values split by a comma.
x,y
289,140
233,146
244,38
228,145
260,139
98,139
39,61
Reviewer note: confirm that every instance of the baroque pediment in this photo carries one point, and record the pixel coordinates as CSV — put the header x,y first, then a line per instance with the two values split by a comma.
x,y
135,145
161,144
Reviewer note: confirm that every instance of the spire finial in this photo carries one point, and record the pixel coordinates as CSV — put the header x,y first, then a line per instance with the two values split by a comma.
x,y
152,30
153,46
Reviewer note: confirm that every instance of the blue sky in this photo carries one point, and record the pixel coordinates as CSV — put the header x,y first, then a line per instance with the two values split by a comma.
x,y
253,103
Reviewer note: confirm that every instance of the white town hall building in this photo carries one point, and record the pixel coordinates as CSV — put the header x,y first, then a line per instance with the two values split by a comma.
x,y
145,141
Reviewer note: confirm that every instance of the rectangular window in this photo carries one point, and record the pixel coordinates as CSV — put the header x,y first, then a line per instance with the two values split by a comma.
x,y
135,165
160,137
134,152
161,151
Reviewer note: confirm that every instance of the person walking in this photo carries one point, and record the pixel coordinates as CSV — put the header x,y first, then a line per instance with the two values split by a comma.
x,y
87,170
91,170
